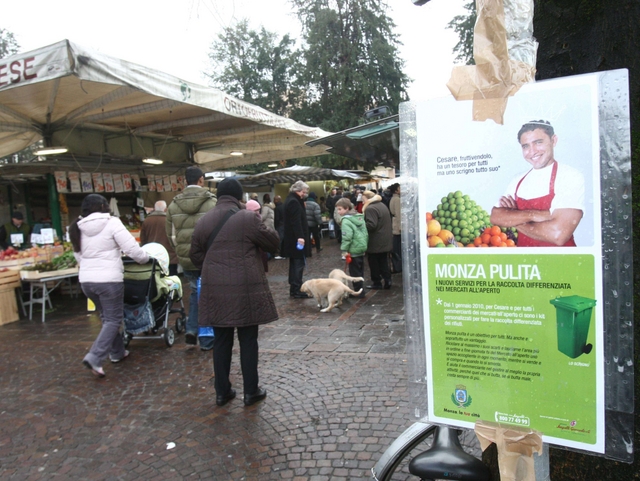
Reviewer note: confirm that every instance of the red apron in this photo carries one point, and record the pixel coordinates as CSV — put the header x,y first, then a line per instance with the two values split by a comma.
x,y
539,203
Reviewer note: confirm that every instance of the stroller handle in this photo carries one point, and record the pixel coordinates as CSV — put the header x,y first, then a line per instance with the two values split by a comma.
x,y
129,260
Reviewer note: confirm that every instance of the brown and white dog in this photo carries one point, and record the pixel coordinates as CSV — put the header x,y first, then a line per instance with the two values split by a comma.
x,y
329,292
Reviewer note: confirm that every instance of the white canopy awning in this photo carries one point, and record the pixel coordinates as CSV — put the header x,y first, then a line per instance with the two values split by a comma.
x,y
115,112
289,175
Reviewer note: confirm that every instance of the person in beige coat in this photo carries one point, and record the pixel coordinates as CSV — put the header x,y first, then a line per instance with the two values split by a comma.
x,y
396,227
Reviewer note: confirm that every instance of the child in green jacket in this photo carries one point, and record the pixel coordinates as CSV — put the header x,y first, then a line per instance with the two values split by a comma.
x,y
354,240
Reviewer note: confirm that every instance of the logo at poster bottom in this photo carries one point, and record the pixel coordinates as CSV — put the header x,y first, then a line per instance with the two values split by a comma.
x,y
460,397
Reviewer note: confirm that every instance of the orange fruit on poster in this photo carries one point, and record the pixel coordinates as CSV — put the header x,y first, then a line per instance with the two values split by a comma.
x,y
495,230
510,243
429,216
446,236
485,238
434,240
503,236
433,227
496,241
477,241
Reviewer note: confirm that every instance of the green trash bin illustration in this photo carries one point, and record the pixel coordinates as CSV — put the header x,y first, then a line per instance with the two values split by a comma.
x,y
573,315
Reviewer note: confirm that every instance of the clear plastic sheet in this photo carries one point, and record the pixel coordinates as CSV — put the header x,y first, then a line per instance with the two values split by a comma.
x,y
518,20
617,257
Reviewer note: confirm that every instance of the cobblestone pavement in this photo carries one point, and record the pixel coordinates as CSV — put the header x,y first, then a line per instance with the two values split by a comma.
x,y
336,383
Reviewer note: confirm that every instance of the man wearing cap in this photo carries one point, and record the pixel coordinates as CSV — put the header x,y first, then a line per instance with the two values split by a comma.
x,y
18,227
183,214
546,203
235,293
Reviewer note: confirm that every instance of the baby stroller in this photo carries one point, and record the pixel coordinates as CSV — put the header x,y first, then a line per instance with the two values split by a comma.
x,y
149,295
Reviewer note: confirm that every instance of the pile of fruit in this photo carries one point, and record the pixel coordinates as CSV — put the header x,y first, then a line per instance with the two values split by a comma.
x,y
459,222
12,254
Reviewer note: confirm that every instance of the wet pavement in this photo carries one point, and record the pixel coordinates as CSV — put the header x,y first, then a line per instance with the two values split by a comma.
x,y
336,384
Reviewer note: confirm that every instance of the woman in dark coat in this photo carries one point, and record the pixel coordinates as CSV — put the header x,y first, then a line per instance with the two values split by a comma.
x,y
234,292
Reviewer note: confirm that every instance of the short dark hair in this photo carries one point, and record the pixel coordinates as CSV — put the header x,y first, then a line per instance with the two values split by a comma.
x,y
193,174
532,125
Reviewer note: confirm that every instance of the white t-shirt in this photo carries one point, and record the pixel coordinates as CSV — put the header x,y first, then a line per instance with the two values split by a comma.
x,y
569,186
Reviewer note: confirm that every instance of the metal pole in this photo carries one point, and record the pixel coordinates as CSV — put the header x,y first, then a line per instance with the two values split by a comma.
x,y
54,205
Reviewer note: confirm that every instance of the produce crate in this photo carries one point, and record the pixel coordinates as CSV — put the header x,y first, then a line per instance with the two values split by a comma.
x,y
35,275
9,280
8,306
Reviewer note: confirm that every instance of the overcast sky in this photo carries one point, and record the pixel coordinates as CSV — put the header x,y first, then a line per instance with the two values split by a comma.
x,y
174,36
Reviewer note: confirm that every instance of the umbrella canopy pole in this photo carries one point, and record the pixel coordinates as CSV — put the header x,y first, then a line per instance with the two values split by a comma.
x,y
54,205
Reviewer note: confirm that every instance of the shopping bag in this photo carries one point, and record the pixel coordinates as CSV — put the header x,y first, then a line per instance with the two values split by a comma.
x,y
139,318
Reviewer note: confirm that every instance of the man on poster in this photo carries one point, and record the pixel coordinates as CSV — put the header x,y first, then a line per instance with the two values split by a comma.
x,y
545,204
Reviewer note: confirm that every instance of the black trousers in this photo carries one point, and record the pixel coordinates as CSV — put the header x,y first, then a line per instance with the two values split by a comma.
x,y
356,269
379,267
396,254
222,348
296,269
315,232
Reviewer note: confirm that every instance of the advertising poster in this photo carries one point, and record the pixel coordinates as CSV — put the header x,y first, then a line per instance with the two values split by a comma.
x,y
159,184
127,183
180,183
174,183
74,182
117,183
151,182
61,182
86,181
98,183
511,262
108,182
167,183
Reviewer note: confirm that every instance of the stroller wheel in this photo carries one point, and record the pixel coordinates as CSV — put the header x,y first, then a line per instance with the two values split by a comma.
x,y
126,338
169,337
180,324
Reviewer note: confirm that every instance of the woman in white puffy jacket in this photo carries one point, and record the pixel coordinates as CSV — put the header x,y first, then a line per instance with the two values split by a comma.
x,y
99,239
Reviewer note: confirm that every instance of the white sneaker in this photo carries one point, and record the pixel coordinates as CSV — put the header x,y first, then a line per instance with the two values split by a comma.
x,y
278,258
114,360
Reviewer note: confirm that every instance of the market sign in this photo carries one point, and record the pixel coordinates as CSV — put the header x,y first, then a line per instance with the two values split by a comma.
x,y
510,234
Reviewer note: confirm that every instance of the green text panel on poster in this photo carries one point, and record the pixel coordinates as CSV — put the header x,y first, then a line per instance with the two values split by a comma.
x,y
512,341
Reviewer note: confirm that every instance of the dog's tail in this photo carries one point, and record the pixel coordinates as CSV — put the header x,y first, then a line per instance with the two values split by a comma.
x,y
354,279
354,293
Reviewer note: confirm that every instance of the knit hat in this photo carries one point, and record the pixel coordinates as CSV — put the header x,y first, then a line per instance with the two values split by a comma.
x,y
312,195
17,215
368,194
230,186
253,205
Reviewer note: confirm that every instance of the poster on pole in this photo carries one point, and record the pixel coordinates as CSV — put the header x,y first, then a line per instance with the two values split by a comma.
x,y
511,262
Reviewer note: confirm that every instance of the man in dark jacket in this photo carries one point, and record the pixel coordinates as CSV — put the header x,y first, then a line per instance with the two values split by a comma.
x,y
183,213
17,226
378,220
296,232
234,291
154,230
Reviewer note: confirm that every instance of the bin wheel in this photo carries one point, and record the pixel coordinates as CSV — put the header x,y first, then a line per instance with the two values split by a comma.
x,y
169,337
587,349
180,324
126,339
